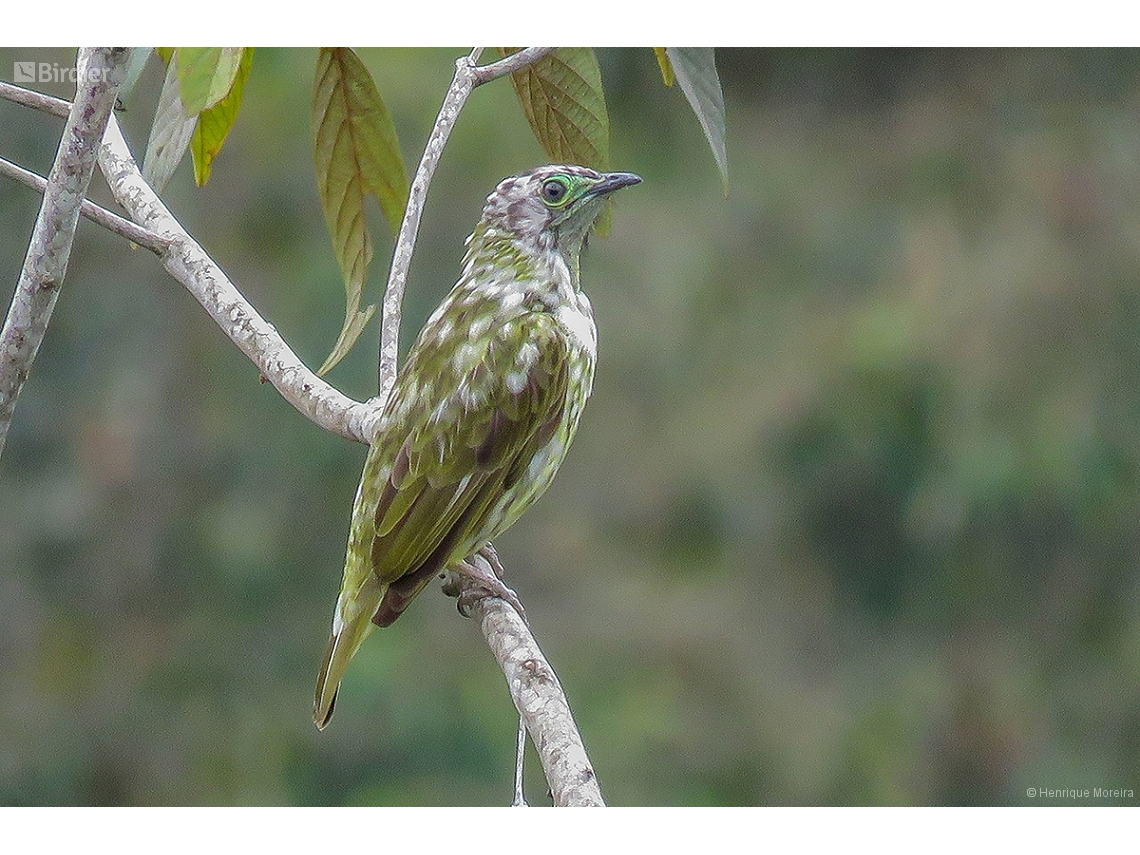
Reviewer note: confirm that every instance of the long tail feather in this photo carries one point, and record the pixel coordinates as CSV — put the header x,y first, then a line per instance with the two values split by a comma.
x,y
344,641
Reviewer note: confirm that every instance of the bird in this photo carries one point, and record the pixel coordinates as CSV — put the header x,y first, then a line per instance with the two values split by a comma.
x,y
481,413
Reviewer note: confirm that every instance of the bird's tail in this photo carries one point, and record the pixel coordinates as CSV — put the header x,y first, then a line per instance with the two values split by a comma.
x,y
345,640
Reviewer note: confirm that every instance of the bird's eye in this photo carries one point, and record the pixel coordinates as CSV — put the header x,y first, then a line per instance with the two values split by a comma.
x,y
553,191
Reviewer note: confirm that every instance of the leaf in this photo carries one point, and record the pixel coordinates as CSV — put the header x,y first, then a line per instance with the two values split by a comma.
x,y
696,72
135,66
205,75
561,96
214,123
169,133
665,65
356,152
349,333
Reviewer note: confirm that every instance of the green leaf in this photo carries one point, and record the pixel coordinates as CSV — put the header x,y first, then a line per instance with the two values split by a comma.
x,y
214,123
356,153
696,72
353,326
665,65
135,65
205,75
561,96
169,133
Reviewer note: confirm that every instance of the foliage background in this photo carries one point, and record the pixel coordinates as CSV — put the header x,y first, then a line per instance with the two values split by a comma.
x,y
851,518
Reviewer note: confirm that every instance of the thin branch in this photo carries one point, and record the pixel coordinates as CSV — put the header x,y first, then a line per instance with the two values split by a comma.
x,y
259,340
467,76
96,214
508,65
45,264
537,695
532,683
189,264
36,100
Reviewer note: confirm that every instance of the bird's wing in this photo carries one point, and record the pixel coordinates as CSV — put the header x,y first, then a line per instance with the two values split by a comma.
x,y
471,430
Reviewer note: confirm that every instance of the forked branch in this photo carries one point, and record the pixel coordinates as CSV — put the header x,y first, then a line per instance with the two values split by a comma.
x,y
468,75
49,249
532,683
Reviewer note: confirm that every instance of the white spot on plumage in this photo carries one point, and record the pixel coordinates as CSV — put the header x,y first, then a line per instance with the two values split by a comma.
x,y
471,397
579,325
528,355
479,326
512,300
465,357
444,329
516,381
437,315
441,411
555,449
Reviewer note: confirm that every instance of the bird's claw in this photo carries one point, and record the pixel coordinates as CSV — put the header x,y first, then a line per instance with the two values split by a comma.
x,y
485,584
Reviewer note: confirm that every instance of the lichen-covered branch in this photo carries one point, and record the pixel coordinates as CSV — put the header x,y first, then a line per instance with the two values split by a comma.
x,y
259,340
538,697
45,263
468,75
96,214
531,681
190,265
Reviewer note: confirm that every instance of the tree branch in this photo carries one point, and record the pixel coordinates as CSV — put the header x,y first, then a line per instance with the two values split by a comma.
x,y
532,683
510,64
467,76
537,695
36,100
190,265
45,263
259,340
96,214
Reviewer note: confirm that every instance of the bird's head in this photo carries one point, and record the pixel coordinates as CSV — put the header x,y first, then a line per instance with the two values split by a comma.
x,y
552,207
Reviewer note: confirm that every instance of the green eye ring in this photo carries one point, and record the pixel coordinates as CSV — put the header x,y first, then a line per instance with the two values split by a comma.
x,y
555,191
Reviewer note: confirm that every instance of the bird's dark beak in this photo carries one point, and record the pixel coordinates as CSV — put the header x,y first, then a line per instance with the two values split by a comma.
x,y
612,181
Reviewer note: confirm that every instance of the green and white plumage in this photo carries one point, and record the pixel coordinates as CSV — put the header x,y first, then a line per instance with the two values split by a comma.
x,y
483,410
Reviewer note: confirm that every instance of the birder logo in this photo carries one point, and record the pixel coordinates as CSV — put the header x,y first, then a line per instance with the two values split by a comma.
x,y
52,72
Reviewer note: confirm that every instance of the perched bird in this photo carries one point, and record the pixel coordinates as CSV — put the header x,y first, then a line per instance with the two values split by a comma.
x,y
483,410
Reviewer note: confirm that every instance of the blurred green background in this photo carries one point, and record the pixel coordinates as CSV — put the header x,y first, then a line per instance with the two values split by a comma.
x,y
851,518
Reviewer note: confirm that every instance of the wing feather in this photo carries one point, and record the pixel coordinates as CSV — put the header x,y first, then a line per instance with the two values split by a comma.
x,y
461,462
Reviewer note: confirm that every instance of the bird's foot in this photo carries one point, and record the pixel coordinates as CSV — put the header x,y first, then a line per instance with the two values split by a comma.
x,y
486,582
487,550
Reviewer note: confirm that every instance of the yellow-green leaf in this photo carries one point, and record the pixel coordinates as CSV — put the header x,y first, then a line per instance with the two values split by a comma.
x,y
561,96
696,72
214,123
665,65
164,53
205,75
349,333
169,133
356,153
